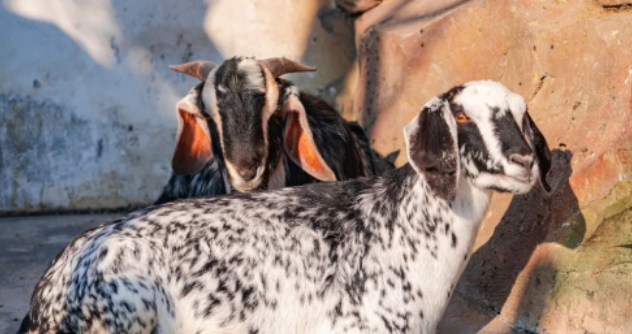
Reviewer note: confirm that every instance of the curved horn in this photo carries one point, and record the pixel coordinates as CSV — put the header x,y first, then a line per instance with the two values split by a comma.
x,y
198,69
281,65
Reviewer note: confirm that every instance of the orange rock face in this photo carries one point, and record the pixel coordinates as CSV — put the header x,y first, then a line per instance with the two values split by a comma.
x,y
357,6
558,263
614,4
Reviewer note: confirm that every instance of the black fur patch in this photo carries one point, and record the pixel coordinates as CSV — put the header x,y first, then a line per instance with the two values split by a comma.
x,y
451,94
433,152
469,137
240,109
334,139
507,131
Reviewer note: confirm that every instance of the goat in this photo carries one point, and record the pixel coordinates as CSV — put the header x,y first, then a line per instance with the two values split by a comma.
x,y
370,255
245,129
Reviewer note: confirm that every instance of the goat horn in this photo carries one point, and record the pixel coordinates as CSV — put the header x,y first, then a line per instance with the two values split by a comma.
x,y
199,69
281,65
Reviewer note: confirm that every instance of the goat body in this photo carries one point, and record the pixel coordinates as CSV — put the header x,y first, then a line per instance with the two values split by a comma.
x,y
372,255
360,256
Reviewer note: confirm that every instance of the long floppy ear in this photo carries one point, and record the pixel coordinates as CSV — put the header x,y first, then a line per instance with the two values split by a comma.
x,y
541,149
298,139
193,143
432,148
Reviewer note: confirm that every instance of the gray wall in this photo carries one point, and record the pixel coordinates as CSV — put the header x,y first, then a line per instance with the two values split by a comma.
x,y
87,100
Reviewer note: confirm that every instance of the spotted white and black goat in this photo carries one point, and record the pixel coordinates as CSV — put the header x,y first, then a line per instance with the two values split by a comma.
x,y
373,255
245,129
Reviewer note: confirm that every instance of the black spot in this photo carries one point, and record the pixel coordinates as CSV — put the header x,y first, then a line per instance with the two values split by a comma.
x,y
103,253
387,324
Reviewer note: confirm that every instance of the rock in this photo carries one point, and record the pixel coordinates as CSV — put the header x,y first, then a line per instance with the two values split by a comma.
x,y
357,6
558,263
614,4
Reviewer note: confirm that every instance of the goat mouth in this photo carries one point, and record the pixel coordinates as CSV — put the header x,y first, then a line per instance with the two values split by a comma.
x,y
246,186
522,179
257,184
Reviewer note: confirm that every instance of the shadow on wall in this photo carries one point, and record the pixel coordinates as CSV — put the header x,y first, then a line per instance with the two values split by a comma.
x,y
493,272
41,141
88,119
92,79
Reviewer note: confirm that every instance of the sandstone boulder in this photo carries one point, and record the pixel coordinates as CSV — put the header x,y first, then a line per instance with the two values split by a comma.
x,y
615,4
357,6
545,263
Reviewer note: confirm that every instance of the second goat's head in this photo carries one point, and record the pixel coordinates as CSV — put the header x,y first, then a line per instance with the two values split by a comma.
x,y
481,131
239,98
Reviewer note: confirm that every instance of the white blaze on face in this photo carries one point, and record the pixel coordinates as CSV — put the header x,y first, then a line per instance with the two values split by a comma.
x,y
486,102
250,67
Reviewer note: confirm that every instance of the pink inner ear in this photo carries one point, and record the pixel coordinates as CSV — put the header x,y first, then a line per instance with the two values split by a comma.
x,y
193,149
301,148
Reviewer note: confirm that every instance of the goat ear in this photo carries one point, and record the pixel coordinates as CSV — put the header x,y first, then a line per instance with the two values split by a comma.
x,y
298,139
193,143
541,149
432,148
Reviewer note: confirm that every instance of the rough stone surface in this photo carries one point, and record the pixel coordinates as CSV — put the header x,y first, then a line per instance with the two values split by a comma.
x,y
27,245
545,263
87,100
614,4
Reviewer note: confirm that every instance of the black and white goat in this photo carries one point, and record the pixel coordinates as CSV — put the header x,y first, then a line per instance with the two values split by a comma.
x,y
372,255
244,129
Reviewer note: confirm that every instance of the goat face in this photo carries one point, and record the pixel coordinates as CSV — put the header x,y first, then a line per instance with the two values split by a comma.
x,y
235,98
481,131
239,97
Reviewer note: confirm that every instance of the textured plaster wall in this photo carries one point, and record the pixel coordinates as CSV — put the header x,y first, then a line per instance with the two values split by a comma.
x,y
87,100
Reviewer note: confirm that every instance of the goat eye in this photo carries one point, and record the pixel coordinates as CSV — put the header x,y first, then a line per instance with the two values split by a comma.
x,y
461,117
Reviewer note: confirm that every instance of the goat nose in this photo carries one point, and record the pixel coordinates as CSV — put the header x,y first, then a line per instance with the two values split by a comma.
x,y
248,173
525,161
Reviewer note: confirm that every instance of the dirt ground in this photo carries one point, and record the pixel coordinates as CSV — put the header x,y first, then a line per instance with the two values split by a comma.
x,y
27,245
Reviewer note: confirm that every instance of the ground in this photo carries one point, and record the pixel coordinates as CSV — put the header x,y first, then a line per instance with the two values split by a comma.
x,y
27,245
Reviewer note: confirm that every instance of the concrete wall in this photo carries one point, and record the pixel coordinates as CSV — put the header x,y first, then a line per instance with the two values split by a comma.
x,y
87,100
